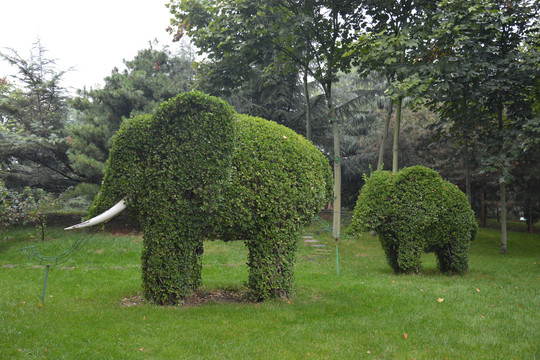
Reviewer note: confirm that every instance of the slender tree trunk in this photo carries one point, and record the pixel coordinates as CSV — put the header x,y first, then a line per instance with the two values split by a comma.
x,y
483,218
395,158
529,216
337,166
308,106
380,163
42,226
504,238
467,173
467,151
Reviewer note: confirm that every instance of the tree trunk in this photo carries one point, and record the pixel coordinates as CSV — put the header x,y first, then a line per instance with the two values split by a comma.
x,y
308,106
395,158
380,163
483,217
467,173
337,166
504,238
529,216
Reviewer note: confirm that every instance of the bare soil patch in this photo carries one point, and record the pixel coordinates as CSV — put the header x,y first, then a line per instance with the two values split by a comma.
x,y
199,298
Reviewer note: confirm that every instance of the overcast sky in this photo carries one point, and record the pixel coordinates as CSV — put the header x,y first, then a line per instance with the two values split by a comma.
x,y
91,36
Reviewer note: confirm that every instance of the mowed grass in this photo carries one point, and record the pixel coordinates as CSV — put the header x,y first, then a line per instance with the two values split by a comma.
x,y
365,312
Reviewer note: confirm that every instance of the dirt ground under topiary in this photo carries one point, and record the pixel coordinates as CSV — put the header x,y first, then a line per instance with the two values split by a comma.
x,y
199,298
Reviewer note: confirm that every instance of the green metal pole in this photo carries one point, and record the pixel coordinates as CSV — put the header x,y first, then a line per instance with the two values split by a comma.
x,y
45,284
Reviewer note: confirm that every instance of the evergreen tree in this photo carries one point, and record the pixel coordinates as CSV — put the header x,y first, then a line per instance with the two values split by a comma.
x,y
152,77
34,113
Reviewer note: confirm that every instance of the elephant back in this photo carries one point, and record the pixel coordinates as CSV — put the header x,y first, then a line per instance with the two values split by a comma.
x,y
279,178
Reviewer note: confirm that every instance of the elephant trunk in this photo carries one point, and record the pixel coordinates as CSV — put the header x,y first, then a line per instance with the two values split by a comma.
x,y
101,218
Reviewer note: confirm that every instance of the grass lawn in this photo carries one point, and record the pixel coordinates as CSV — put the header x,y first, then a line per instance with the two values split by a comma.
x,y
366,312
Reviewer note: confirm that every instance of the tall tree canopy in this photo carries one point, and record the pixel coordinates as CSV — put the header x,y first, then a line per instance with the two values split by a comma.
x,y
483,73
390,44
240,65
34,113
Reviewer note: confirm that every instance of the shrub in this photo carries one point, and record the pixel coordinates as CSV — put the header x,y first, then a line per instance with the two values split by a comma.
x,y
13,207
196,170
416,211
5,218
76,200
30,206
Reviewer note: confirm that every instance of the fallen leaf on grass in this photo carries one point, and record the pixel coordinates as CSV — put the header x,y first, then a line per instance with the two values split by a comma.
x,y
141,349
405,336
477,290
440,300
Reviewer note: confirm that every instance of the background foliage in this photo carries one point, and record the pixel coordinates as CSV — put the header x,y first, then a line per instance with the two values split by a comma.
x,y
465,73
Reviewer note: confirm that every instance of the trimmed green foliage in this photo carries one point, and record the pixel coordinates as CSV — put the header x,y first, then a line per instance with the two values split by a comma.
x,y
171,166
416,211
196,170
279,182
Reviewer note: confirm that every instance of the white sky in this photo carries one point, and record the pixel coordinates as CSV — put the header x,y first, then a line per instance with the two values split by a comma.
x,y
91,36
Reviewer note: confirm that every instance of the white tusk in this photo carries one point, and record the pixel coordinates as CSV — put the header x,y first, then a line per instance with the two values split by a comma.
x,y
101,218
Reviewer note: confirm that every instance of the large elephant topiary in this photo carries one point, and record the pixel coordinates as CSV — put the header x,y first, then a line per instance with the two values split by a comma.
x,y
416,211
196,170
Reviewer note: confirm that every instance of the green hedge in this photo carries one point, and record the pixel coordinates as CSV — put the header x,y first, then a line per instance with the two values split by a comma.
x,y
195,170
416,211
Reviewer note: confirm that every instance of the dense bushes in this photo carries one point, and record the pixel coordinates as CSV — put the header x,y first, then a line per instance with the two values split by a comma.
x,y
5,218
196,170
30,206
416,211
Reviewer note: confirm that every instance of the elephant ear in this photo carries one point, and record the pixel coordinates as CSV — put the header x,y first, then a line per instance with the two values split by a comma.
x,y
190,148
124,176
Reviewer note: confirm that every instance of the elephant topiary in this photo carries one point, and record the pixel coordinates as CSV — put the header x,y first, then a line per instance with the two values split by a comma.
x,y
416,211
196,170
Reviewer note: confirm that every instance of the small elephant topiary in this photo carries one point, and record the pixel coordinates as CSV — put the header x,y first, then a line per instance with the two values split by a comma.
x,y
416,211
196,170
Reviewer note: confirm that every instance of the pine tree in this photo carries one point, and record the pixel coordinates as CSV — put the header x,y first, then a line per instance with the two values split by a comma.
x,y
34,113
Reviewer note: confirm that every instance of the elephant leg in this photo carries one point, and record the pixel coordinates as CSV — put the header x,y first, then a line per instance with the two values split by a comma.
x,y
409,257
453,258
171,270
390,250
271,265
